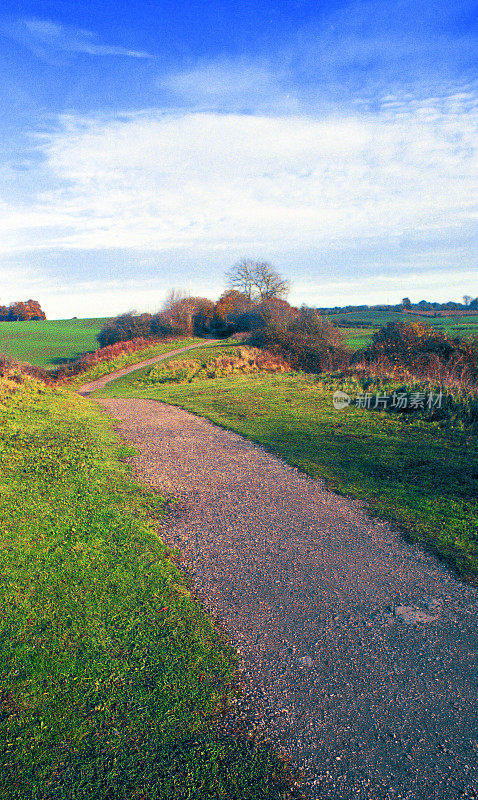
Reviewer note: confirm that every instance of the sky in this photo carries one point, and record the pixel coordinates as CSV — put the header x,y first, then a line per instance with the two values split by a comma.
x,y
150,145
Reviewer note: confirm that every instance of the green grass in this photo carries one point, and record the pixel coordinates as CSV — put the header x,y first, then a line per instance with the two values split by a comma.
x,y
126,359
110,671
200,354
48,343
409,470
357,338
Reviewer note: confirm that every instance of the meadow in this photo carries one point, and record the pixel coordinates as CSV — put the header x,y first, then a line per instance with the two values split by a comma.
x,y
47,343
357,338
115,683
421,474
454,325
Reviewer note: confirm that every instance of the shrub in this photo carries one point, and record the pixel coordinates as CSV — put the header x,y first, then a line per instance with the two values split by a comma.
x,y
246,360
11,367
184,315
449,406
307,342
422,351
161,328
103,354
125,327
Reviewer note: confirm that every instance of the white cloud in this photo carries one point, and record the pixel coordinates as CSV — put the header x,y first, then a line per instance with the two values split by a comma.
x,y
160,180
45,37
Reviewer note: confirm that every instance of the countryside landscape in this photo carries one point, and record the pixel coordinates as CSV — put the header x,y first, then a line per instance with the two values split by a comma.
x,y
122,676
238,400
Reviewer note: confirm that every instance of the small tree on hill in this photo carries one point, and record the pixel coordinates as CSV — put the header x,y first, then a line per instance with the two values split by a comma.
x,y
184,314
258,280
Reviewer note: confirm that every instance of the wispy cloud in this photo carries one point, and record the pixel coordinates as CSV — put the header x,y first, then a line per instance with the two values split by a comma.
x,y
45,38
160,180
228,84
368,44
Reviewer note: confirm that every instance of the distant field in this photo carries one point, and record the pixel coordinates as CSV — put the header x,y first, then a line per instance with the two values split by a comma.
x,y
356,338
49,342
455,326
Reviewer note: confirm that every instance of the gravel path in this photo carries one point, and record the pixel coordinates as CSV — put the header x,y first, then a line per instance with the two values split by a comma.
x,y
87,388
360,650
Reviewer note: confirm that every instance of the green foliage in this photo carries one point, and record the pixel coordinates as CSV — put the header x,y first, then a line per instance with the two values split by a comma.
x,y
49,342
424,351
110,671
419,473
452,408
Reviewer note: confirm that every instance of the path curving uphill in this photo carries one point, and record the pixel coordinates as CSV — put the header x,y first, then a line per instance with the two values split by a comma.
x,y
88,388
360,650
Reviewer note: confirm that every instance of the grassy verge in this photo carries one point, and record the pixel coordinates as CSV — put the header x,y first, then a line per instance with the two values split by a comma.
x,y
409,470
200,354
126,359
112,676
47,343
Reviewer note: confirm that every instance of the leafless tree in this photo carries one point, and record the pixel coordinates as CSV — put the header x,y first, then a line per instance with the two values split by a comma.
x,y
257,279
241,277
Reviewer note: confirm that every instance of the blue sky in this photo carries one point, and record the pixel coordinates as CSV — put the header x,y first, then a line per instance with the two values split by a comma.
x,y
150,145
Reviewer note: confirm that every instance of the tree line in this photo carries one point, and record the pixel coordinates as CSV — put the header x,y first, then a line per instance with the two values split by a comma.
x,y
22,310
255,294
425,307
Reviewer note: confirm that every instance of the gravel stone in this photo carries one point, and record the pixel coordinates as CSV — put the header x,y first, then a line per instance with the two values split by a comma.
x,y
359,649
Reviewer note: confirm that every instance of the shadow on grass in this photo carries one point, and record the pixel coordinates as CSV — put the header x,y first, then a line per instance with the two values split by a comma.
x,y
71,359
233,765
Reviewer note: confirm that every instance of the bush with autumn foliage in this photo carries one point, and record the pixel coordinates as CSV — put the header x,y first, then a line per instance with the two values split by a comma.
x,y
22,311
242,360
125,327
306,340
423,351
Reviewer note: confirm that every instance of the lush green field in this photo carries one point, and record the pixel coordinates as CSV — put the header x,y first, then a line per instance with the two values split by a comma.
x,y
110,671
455,326
49,342
52,342
410,471
357,338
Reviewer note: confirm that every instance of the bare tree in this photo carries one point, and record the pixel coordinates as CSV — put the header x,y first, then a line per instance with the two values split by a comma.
x,y
241,277
257,279
268,282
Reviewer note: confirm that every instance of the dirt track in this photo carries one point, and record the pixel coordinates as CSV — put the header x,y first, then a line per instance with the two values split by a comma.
x,y
360,650
87,388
